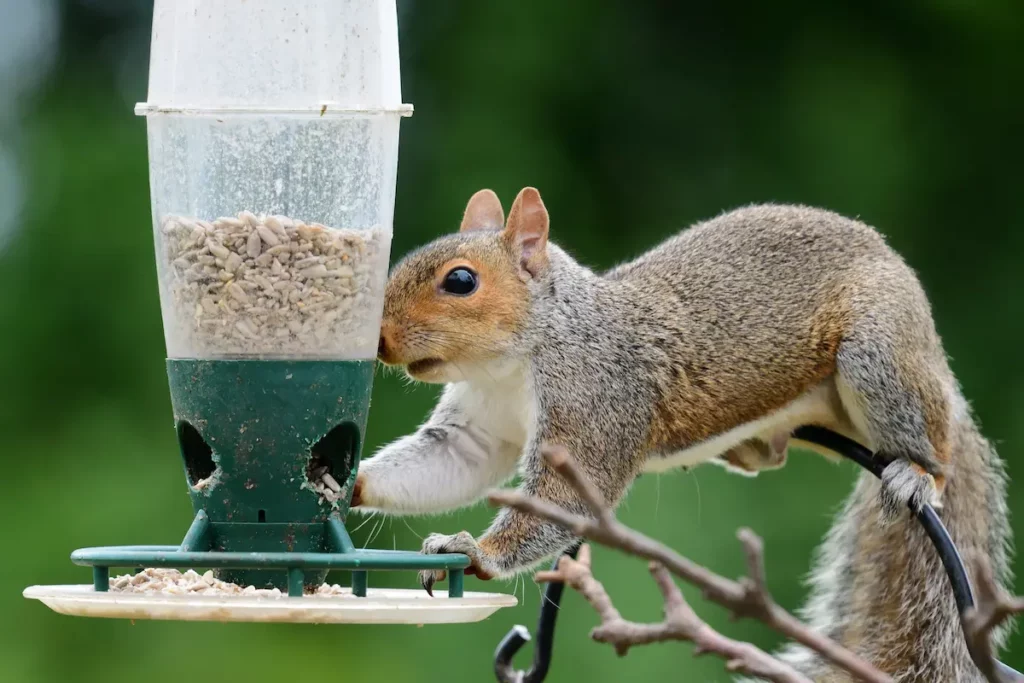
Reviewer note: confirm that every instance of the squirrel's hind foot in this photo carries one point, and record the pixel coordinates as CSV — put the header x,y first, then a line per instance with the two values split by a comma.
x,y
754,455
904,484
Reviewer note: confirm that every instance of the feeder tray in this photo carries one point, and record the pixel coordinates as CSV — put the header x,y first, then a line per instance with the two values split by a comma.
x,y
379,606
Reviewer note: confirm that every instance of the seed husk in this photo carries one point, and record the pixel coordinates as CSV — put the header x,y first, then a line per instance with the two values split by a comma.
x,y
331,482
165,581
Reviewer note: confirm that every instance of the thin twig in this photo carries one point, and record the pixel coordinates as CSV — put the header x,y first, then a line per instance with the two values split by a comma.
x,y
744,599
992,608
680,623
558,457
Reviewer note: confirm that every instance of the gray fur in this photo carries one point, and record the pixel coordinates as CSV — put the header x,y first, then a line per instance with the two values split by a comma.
x,y
585,417
717,327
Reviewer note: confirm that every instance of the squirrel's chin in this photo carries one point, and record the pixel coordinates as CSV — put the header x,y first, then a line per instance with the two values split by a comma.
x,y
430,370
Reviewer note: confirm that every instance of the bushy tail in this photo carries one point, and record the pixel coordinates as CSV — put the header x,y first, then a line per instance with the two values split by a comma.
x,y
882,591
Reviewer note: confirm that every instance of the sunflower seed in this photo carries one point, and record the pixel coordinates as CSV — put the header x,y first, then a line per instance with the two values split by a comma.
x,y
237,292
319,270
268,236
232,263
253,245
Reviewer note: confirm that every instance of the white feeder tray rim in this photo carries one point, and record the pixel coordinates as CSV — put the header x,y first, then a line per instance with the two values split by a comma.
x,y
380,606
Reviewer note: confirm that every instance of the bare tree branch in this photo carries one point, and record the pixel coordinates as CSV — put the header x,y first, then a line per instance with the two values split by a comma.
x,y
992,608
558,457
680,623
748,598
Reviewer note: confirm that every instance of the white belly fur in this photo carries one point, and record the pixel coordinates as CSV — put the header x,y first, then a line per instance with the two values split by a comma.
x,y
821,405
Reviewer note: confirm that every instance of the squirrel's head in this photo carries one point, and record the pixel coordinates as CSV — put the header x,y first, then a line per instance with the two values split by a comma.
x,y
457,304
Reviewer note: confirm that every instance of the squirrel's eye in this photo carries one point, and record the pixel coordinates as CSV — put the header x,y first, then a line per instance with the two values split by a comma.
x,y
461,281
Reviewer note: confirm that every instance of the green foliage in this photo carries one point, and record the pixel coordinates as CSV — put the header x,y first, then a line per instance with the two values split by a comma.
x,y
633,119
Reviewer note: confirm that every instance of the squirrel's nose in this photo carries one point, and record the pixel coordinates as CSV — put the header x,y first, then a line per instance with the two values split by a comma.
x,y
386,346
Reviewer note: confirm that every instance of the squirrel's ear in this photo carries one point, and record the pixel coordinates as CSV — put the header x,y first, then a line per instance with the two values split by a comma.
x,y
483,211
527,229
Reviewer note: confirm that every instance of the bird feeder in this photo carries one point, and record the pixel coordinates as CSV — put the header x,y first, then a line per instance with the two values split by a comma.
x,y
273,151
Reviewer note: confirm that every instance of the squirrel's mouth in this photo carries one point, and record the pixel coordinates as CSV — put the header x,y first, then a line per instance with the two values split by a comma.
x,y
423,365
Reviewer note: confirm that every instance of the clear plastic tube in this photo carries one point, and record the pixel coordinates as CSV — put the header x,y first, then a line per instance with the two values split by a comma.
x,y
273,154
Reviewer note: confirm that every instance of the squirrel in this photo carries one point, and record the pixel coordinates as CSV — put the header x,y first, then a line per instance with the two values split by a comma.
x,y
712,347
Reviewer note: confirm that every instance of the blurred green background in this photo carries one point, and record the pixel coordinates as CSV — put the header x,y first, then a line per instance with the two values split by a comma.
x,y
634,119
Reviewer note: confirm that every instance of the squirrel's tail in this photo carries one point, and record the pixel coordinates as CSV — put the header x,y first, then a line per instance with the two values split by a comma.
x,y
882,591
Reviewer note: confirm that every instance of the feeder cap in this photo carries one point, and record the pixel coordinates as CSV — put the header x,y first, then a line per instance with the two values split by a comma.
x,y
257,56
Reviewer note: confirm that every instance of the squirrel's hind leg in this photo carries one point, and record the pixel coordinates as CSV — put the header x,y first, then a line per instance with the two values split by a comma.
x,y
893,399
755,455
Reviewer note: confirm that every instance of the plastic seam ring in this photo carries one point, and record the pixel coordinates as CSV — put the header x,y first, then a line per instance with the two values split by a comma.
x,y
323,109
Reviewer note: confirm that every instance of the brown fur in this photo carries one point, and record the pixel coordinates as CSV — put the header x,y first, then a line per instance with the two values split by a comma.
x,y
419,324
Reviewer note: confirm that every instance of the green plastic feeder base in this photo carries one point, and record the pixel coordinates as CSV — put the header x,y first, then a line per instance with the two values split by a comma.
x,y
257,439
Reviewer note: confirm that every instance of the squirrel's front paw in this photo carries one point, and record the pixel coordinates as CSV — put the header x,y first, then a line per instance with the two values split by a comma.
x,y
905,483
357,491
462,542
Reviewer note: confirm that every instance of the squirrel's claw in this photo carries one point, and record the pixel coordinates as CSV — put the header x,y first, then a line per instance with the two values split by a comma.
x,y
428,577
462,542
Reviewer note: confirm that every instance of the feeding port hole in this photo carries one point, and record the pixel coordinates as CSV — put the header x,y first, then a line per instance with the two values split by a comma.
x,y
331,461
199,464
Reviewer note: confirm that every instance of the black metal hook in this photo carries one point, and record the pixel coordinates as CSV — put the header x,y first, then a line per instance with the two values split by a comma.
x,y
520,635
929,519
